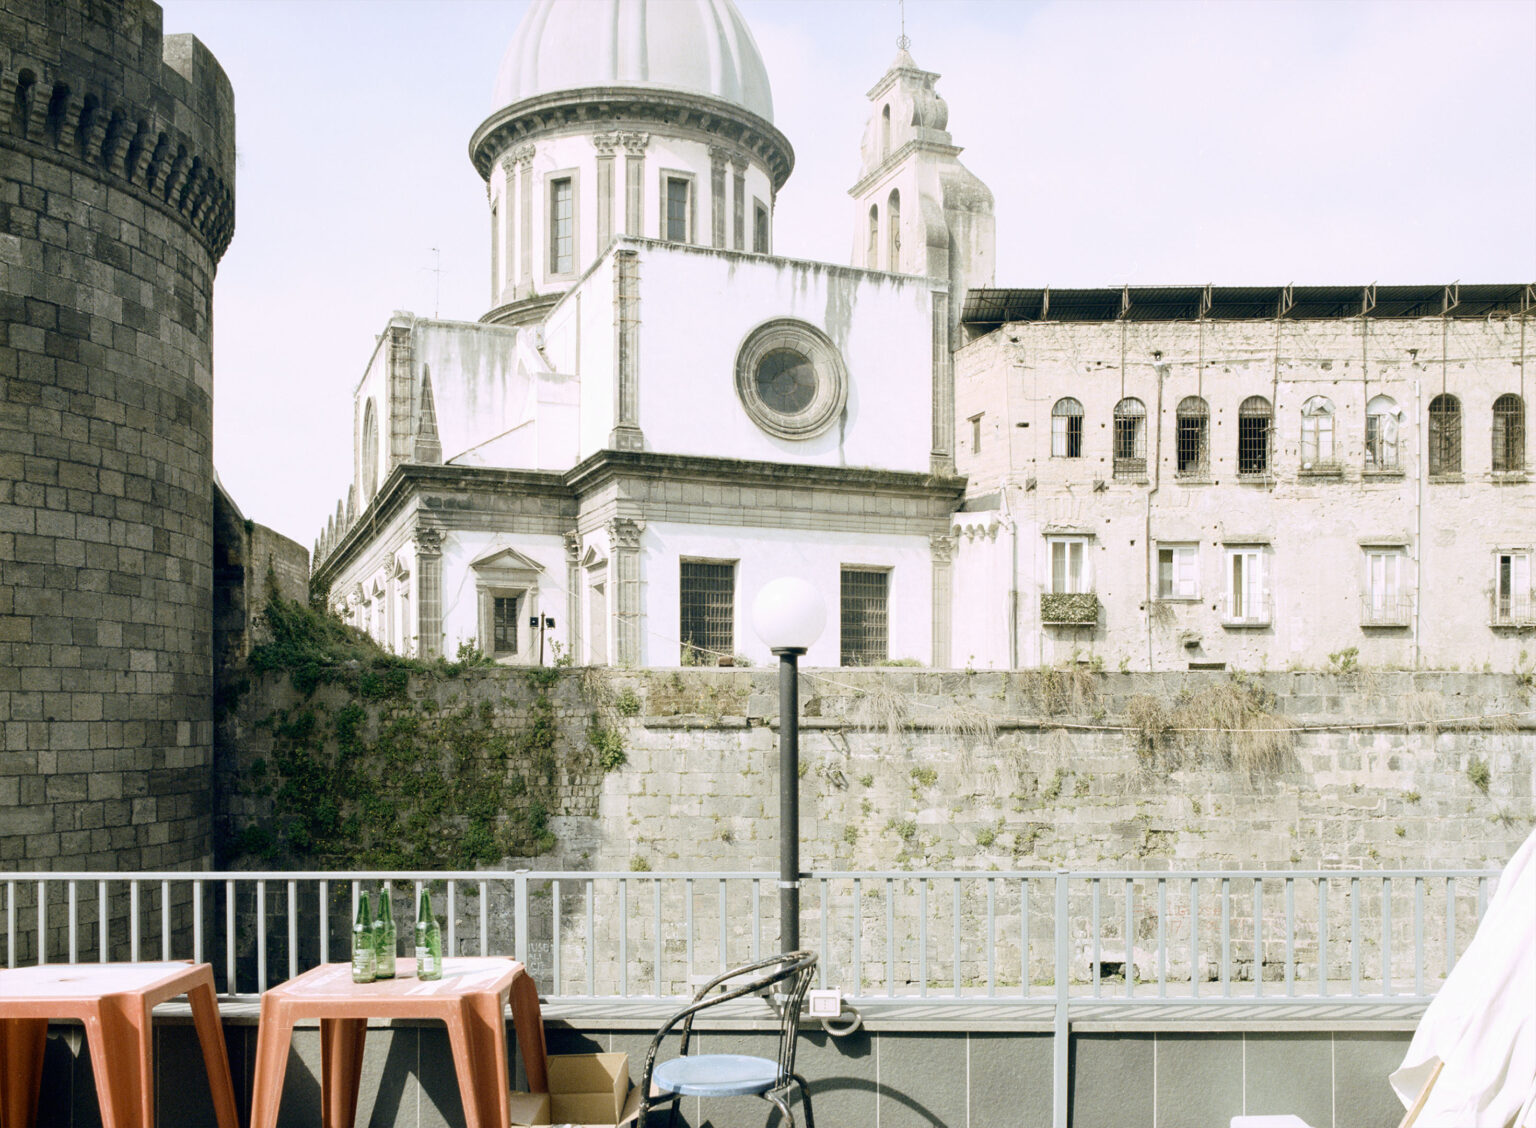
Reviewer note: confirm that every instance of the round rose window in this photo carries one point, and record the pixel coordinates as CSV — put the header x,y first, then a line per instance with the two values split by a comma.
x,y
791,379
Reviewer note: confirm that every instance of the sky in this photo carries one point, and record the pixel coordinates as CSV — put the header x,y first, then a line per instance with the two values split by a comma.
x,y
1138,143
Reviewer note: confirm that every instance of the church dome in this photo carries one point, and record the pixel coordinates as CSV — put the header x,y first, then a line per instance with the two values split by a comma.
x,y
700,46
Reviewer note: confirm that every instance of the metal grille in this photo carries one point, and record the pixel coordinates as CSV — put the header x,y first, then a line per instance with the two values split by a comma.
x,y
707,602
1067,429
1254,423
504,625
1192,423
866,597
1130,439
1508,435
1444,435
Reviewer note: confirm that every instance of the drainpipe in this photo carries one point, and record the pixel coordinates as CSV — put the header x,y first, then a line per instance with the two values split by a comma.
x,y
1161,368
1418,505
1013,583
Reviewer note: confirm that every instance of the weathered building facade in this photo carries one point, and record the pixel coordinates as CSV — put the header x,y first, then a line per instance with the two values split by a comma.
x,y
1251,478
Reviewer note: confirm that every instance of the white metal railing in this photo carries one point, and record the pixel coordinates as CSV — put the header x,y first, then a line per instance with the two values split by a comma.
x,y
1122,936
1517,609
1386,610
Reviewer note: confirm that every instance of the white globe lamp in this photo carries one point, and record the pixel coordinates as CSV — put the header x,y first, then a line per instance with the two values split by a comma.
x,y
789,614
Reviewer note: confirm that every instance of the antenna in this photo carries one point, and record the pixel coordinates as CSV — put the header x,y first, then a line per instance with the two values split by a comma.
x,y
902,42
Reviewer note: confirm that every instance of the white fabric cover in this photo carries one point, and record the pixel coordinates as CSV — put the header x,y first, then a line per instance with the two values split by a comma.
x,y
1482,1024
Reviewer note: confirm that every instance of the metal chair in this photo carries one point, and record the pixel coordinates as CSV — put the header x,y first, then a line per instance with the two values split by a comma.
x,y
732,1075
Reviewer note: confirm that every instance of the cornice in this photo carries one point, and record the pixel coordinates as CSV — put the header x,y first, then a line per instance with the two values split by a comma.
x,y
894,161
608,108
608,465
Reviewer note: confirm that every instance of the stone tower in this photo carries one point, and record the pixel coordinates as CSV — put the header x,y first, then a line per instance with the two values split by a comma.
x,y
116,203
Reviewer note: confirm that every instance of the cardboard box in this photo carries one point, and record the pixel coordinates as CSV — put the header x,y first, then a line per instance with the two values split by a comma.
x,y
586,1091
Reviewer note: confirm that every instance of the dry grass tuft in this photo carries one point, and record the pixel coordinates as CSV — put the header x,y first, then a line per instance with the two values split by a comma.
x,y
1068,688
881,707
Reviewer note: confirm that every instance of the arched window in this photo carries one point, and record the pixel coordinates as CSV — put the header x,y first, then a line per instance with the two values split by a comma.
x,y
893,221
1381,424
1130,439
1444,435
1192,422
1255,422
872,255
1067,429
370,453
885,132
1317,433
1508,435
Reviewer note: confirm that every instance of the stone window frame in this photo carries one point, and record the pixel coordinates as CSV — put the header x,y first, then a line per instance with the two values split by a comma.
x,y
1063,411
549,180
847,601
517,580
831,378
664,177
711,650
762,231
1084,583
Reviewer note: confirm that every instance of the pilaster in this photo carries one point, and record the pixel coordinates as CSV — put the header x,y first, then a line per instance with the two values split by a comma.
x,y
717,161
634,180
573,624
626,353
943,552
429,590
605,144
509,225
522,157
624,582
738,202
942,459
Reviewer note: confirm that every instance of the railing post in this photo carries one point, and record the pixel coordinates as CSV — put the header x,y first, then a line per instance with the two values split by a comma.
x,y
519,916
1063,1031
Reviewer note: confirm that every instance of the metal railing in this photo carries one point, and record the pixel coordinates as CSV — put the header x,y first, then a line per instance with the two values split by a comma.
x,y
1513,610
1386,610
1129,936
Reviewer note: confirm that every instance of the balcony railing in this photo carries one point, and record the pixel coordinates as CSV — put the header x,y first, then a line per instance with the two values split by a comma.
x,y
1386,610
1076,608
1513,610
1254,611
1129,935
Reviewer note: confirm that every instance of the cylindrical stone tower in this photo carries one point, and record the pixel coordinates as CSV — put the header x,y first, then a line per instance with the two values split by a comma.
x,y
116,202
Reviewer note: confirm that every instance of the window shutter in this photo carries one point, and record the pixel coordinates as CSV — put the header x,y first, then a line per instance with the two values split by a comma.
x,y
1520,576
1185,564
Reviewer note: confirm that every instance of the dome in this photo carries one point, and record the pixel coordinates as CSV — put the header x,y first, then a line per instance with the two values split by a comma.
x,y
701,46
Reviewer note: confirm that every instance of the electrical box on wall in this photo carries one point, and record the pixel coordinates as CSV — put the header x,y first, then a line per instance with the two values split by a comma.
x,y
826,1004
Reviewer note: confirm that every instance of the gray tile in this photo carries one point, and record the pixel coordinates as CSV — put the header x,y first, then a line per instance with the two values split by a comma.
x,y
1111,1081
390,1090
1289,1073
735,1112
841,1075
1361,1064
1199,1079
1010,1080
922,1080
182,1092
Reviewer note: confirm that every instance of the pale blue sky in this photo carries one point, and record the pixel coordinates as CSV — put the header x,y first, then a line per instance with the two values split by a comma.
x,y
1151,142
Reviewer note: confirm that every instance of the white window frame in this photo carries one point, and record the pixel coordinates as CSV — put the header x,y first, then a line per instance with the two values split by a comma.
x,y
1514,601
1071,550
551,261
1182,581
1385,586
1318,434
1247,599
1062,414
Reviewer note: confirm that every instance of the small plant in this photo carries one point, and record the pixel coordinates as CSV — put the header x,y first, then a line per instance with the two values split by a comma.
x,y
1052,790
924,777
1478,773
694,656
985,837
608,745
1412,796
898,662
905,829
1345,661
741,661
627,703
867,779
1400,831
1525,671
851,834
637,864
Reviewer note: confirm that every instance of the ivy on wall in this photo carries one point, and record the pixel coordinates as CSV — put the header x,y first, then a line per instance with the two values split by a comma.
x,y
376,761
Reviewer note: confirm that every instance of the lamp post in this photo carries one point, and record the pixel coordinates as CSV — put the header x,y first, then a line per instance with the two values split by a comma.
x,y
788,615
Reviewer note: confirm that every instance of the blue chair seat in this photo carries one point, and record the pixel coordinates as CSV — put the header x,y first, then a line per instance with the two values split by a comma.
x,y
716,1075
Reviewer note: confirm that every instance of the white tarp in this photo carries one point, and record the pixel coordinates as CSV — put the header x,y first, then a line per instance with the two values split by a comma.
x,y
1482,1024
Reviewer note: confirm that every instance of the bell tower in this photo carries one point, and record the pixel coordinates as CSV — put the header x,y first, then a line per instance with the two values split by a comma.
x,y
917,209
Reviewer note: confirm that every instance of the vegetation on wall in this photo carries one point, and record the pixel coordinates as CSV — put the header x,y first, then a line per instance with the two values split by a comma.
x,y
387,762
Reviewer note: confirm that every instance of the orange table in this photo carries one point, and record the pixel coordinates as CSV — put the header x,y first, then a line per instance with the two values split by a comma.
x,y
114,1002
471,998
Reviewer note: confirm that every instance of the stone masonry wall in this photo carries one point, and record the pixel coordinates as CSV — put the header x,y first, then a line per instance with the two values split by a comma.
x,y
116,201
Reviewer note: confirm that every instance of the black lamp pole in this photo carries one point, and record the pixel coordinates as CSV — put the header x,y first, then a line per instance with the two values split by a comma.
x,y
789,796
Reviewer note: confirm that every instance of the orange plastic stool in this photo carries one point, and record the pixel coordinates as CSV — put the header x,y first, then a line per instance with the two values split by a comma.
x,y
471,998
114,1002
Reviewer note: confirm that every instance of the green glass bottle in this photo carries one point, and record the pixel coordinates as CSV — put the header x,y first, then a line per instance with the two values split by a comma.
x,y
384,935
365,955
429,941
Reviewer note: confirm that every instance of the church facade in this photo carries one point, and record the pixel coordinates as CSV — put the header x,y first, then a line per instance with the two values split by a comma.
x,y
658,415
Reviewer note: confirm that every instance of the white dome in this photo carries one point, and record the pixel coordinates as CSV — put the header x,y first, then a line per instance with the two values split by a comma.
x,y
702,46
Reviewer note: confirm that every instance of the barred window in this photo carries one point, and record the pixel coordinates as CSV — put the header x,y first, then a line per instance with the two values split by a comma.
x,y
1130,439
1381,433
503,625
1317,433
1192,423
1508,434
1444,435
707,607
865,632
1067,429
1255,422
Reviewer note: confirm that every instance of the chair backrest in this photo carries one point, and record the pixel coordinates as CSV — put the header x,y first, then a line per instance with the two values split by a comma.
x,y
797,972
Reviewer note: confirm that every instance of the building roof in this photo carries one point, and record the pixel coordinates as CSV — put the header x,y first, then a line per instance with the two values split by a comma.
x,y
703,47
989,308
